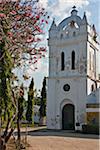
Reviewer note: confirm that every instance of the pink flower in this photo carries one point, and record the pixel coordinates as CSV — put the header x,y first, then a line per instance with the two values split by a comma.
x,y
34,21
40,53
42,49
30,62
10,34
42,20
13,12
2,15
38,29
28,14
0,38
18,6
37,40
13,42
30,50
30,39
18,17
46,22
35,57
37,17
18,25
35,61
28,8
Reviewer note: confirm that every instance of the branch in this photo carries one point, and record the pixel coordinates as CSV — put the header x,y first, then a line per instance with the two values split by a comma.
x,y
2,56
9,135
10,120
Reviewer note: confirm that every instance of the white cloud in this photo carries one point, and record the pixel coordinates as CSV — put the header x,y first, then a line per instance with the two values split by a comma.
x,y
61,8
88,14
44,3
41,66
38,74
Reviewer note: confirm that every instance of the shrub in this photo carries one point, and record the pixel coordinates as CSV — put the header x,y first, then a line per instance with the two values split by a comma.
x,y
92,129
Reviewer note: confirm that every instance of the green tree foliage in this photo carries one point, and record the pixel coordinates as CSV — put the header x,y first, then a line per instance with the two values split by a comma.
x,y
29,111
43,99
20,110
7,108
21,101
21,23
6,65
37,100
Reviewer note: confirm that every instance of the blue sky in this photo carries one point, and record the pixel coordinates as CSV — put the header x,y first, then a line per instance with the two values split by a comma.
x,y
60,9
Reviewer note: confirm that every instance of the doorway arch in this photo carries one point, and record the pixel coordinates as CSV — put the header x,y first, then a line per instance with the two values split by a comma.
x,y
68,117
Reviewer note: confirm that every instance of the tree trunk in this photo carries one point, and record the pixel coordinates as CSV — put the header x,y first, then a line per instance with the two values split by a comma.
x,y
10,120
2,144
18,120
42,121
6,136
9,135
18,128
3,141
6,130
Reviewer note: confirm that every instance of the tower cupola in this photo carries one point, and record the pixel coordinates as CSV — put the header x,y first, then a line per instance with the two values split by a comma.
x,y
74,11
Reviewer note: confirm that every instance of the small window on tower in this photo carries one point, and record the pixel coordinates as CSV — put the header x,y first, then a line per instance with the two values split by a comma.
x,y
61,36
92,87
90,60
73,60
74,33
62,61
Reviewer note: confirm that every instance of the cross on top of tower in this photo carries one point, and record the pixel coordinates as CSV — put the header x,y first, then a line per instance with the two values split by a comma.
x,y
74,7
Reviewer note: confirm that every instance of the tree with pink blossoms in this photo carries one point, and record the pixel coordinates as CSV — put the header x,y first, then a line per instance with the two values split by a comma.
x,y
22,23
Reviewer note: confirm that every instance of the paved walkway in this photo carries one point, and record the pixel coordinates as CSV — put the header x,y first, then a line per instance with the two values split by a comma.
x,y
43,139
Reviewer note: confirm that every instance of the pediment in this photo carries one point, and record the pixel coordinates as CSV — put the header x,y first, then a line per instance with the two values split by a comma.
x,y
68,20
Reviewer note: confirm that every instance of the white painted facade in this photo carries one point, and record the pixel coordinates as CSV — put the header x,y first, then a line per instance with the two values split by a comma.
x,y
72,34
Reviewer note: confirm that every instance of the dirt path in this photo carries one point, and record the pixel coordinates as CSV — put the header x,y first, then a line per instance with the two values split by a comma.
x,y
53,140
43,139
62,143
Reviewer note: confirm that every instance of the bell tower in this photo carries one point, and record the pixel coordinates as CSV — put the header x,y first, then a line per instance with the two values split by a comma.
x,y
73,71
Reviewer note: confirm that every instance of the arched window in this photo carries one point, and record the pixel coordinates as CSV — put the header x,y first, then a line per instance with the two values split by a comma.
x,y
73,60
74,33
92,87
95,85
61,36
62,61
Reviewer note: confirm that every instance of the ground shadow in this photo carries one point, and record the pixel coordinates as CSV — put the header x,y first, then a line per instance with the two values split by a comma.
x,y
60,133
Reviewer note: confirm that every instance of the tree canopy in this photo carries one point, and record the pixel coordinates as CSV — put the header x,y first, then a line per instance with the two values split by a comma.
x,y
21,24
30,102
43,99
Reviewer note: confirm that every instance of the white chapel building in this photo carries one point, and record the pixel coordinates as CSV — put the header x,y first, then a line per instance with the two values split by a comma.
x,y
73,71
